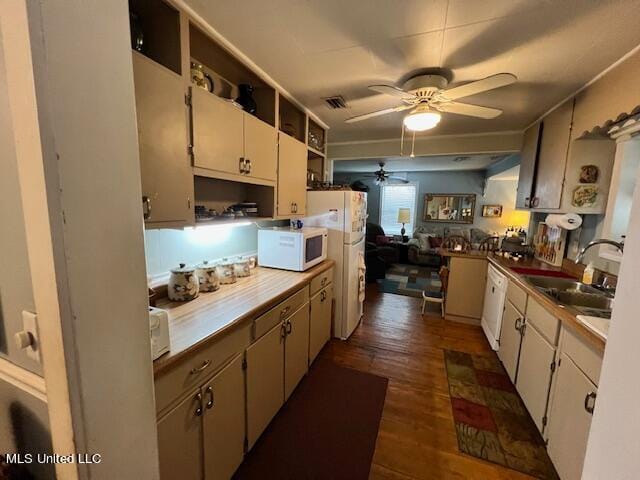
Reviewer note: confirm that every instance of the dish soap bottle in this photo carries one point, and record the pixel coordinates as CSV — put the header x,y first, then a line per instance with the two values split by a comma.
x,y
587,276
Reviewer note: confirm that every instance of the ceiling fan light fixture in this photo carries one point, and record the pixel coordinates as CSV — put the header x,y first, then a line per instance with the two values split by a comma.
x,y
421,119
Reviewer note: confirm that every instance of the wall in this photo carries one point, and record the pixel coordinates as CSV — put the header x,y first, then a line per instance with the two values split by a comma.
x,y
614,443
165,249
498,192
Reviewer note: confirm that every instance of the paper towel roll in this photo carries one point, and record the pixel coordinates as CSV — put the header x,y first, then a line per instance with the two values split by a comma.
x,y
567,221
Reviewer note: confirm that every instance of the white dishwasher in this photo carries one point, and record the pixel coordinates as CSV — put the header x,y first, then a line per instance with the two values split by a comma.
x,y
494,296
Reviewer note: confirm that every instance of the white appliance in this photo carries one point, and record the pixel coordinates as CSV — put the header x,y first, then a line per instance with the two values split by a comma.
x,y
344,214
292,249
494,295
159,331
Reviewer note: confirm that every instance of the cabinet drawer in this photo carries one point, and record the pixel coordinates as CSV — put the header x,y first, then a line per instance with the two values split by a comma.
x,y
545,322
321,281
517,296
587,358
266,322
194,369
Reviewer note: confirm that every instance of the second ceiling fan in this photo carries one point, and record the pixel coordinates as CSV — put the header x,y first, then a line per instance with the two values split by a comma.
x,y
426,96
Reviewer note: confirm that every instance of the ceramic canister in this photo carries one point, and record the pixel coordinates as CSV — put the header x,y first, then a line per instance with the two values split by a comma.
x,y
207,277
183,284
226,272
242,267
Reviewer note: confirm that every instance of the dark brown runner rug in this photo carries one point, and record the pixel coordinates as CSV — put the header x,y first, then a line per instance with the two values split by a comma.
x,y
327,429
491,420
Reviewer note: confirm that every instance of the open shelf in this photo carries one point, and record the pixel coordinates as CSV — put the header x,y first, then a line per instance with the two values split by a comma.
x,y
292,120
316,138
160,27
219,194
227,73
313,153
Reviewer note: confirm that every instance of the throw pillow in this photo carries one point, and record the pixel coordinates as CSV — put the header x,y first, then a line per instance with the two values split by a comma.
x,y
435,242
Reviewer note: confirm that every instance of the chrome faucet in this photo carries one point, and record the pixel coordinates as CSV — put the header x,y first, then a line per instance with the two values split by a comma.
x,y
601,241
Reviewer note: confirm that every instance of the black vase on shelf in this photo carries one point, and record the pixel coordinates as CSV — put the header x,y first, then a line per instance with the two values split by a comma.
x,y
137,35
245,98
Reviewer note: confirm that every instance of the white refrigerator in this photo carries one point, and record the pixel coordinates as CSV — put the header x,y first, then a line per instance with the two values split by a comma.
x,y
344,214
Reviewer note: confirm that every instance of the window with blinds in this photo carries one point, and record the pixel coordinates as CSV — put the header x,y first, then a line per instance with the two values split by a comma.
x,y
392,198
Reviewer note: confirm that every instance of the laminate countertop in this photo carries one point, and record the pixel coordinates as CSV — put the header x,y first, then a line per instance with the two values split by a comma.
x,y
566,315
194,323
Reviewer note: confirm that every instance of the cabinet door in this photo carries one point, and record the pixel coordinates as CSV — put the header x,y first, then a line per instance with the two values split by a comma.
x,y
510,339
224,422
552,159
167,178
292,176
265,381
528,160
534,373
569,420
260,148
218,138
320,321
296,351
180,440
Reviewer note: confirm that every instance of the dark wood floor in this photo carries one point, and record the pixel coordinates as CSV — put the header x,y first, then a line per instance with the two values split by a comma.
x,y
417,438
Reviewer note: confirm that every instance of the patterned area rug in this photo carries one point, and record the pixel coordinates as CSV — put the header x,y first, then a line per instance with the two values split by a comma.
x,y
491,421
409,280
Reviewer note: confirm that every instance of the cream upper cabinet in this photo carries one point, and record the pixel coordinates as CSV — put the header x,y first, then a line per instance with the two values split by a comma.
x,y
510,339
218,138
260,148
180,440
535,370
320,321
570,414
296,351
292,176
167,178
224,421
265,381
552,157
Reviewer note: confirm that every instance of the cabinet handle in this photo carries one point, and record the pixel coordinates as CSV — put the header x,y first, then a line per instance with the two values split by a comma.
x,y
146,211
289,327
323,282
248,164
527,203
523,329
323,296
518,323
536,202
588,406
210,393
285,311
283,330
201,368
199,407
243,165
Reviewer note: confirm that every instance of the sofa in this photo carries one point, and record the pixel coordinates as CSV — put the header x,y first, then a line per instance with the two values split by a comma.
x,y
426,239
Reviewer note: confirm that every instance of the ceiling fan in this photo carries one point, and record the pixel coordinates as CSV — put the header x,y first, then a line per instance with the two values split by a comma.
x,y
426,96
382,176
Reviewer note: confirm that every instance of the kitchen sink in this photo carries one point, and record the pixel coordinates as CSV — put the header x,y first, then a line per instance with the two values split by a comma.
x,y
572,293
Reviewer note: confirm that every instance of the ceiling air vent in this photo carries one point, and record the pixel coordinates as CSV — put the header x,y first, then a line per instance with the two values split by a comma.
x,y
336,102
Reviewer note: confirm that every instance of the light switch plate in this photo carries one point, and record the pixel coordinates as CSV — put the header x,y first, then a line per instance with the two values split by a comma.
x,y
30,324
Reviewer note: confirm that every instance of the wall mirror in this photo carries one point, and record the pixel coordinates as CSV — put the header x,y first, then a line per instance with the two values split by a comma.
x,y
449,208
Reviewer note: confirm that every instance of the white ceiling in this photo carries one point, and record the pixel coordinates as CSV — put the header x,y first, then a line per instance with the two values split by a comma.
x,y
419,164
319,48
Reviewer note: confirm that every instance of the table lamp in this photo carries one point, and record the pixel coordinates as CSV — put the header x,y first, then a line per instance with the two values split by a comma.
x,y
404,216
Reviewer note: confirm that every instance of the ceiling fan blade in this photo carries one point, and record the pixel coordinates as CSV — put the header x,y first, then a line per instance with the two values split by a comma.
x,y
489,83
393,91
467,109
359,118
399,179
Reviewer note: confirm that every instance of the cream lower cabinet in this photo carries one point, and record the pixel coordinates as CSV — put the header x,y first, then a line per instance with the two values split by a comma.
x,y
223,422
570,416
320,321
292,176
510,339
166,175
535,370
180,440
296,349
265,381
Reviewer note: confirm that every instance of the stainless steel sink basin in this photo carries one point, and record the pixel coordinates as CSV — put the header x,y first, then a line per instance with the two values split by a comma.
x,y
571,293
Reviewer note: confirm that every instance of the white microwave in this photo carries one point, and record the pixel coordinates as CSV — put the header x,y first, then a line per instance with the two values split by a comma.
x,y
292,249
